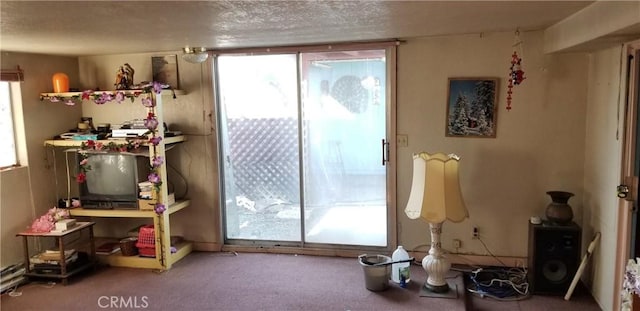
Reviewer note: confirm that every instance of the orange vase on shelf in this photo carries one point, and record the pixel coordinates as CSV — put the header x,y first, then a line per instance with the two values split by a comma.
x,y
60,82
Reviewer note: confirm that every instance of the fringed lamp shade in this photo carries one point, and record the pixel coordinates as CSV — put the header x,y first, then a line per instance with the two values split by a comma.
x,y
435,190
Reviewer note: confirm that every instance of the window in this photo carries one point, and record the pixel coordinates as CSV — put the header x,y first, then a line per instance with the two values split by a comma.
x,y
7,136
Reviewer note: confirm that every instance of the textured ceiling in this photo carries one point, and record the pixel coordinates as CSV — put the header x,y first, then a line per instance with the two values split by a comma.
x,y
116,27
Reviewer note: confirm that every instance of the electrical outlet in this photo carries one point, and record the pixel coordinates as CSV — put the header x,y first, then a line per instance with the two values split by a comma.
x,y
402,140
457,243
476,233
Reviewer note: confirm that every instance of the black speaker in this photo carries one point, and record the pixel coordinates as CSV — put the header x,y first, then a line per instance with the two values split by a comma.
x,y
554,257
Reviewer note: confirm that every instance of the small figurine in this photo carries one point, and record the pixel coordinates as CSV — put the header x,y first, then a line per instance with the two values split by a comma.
x,y
120,85
124,77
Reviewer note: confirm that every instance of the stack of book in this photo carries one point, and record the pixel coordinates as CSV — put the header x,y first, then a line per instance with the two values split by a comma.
x,y
145,189
48,262
108,248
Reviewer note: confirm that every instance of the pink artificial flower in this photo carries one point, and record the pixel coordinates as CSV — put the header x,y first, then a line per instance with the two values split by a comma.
x,y
84,162
70,103
54,99
151,122
148,102
157,87
42,224
75,203
86,94
119,96
105,97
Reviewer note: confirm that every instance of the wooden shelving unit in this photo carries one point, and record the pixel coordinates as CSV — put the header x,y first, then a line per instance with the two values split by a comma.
x,y
164,258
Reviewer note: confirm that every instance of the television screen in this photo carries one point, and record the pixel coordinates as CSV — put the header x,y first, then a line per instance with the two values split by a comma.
x,y
112,181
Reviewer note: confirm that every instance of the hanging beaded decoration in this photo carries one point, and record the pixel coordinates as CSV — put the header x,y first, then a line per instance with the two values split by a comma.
x,y
516,74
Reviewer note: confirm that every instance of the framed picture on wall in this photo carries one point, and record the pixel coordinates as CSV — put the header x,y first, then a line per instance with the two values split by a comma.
x,y
165,70
472,107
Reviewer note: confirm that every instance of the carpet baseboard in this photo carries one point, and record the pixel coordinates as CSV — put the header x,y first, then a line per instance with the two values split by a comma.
x,y
207,247
461,259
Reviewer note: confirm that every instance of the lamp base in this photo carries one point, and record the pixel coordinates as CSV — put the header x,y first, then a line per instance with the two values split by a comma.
x,y
437,288
452,293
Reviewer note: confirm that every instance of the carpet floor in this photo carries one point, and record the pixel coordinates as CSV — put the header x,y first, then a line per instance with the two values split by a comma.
x,y
255,281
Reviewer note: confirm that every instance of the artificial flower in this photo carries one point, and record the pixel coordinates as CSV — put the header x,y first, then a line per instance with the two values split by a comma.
x,y
148,102
159,208
155,140
81,177
42,224
154,178
157,87
157,161
119,97
46,222
151,122
86,94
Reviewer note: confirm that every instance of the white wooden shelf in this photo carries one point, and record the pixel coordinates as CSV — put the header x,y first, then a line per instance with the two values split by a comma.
x,y
123,213
118,260
126,92
78,143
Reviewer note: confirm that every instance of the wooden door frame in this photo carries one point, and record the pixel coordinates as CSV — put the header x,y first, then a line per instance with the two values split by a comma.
x,y
625,206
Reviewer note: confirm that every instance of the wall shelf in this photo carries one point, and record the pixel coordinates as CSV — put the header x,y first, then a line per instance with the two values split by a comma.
x,y
122,213
48,96
78,143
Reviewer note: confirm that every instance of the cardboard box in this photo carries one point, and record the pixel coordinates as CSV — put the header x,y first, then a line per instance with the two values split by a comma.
x,y
150,204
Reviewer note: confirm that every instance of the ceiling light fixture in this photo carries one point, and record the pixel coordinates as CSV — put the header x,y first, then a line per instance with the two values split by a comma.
x,y
195,55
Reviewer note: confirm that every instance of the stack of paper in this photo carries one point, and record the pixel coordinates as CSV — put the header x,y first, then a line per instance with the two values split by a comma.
x,y
145,190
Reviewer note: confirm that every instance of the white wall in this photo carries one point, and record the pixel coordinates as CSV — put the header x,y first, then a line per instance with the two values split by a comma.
x,y
539,144
29,191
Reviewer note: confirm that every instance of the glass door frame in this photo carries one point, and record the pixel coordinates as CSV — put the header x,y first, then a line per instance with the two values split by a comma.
x,y
388,150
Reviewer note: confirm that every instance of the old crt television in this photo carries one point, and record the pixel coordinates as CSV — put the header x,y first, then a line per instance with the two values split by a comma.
x,y
112,181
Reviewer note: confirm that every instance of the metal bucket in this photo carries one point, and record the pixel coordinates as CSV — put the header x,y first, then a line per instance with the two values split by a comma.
x,y
376,278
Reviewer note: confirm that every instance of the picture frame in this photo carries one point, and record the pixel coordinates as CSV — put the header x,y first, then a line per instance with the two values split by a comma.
x,y
165,70
472,107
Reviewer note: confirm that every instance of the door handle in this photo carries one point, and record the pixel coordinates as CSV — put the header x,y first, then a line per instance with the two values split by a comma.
x,y
385,152
623,191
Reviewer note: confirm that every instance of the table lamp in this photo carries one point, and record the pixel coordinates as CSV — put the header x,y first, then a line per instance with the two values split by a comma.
x,y
435,197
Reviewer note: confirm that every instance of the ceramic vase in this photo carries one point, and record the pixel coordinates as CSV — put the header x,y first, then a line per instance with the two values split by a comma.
x,y
559,211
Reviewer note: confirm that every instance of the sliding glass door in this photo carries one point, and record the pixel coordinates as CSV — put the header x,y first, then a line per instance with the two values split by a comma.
x,y
301,150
